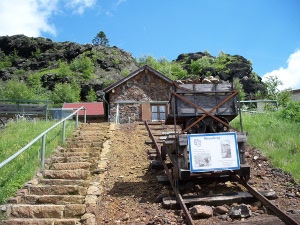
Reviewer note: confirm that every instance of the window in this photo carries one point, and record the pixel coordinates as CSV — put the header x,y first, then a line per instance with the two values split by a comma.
x,y
158,112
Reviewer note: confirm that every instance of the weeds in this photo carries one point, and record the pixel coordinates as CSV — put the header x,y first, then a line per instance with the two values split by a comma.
x,y
13,138
277,138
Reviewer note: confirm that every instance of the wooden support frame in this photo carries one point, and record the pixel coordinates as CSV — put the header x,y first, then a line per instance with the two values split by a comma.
x,y
209,113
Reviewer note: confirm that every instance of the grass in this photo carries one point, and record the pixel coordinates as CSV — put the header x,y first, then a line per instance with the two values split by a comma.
x,y
13,138
276,138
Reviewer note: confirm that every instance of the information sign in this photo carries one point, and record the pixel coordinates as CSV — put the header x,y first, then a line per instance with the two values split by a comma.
x,y
213,152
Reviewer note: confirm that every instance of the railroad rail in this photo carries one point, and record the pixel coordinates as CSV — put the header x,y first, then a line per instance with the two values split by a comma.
x,y
279,213
178,195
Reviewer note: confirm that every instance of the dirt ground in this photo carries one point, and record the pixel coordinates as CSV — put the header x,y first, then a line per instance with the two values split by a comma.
x,y
132,195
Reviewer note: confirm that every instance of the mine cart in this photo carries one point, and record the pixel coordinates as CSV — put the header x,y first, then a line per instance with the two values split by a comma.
x,y
206,145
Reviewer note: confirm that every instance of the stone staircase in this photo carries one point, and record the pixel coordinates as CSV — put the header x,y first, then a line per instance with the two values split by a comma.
x,y
62,193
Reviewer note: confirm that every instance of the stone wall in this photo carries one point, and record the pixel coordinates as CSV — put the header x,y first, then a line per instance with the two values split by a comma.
x,y
126,99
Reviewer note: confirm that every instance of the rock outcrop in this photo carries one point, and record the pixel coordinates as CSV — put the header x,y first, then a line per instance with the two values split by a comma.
x,y
240,68
21,56
27,55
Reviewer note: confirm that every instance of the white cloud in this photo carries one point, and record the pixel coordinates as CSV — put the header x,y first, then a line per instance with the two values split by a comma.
x,y
120,2
289,76
78,6
31,17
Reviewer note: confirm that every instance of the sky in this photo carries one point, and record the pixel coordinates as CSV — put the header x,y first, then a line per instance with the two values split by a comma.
x,y
266,32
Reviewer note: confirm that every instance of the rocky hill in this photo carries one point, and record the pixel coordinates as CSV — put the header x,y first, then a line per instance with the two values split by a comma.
x,y
235,66
21,56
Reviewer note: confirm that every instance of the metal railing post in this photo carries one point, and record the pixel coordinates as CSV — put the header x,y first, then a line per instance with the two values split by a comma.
x,y
84,118
76,124
43,151
64,132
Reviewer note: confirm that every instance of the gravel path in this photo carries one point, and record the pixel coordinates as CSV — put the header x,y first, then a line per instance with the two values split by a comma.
x,y
131,193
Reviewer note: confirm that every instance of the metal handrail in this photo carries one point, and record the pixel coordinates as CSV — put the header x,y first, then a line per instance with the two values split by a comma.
x,y
259,101
43,136
19,101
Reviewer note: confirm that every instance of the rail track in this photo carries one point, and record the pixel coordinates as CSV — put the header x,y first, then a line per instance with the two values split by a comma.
x,y
157,143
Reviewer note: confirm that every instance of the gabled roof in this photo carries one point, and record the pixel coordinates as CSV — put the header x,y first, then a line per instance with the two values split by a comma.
x,y
92,108
146,67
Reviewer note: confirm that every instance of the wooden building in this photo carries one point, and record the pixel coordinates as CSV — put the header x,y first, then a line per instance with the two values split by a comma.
x,y
142,95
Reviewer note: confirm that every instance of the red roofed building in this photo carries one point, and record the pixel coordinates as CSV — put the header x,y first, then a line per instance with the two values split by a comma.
x,y
94,110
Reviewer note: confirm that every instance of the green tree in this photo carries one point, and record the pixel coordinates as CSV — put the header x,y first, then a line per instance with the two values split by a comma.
x,y
84,66
34,82
101,40
16,90
65,92
272,84
239,87
172,70
273,92
63,70
91,96
200,64
148,60
5,61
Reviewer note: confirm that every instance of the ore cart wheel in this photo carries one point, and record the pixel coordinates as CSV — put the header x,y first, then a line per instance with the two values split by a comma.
x,y
198,128
216,126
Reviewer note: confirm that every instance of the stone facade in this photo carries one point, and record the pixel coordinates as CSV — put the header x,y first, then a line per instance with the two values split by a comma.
x,y
126,98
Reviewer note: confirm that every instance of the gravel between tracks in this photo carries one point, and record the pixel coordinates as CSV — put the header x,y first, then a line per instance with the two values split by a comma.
x,y
130,190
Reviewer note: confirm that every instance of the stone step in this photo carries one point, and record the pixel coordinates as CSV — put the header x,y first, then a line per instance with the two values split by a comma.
x,y
72,157
93,131
76,144
76,157
70,166
77,174
79,159
82,183
46,211
87,139
94,153
52,199
51,221
84,149
56,190
157,128
89,136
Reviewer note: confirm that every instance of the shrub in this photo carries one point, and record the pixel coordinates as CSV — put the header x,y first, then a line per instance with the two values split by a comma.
x,y
15,89
63,70
172,70
83,65
200,64
91,96
239,87
5,62
291,112
125,72
65,92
